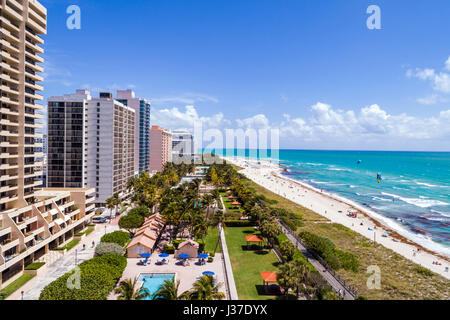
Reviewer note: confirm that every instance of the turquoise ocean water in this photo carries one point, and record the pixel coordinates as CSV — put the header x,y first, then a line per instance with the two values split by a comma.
x,y
413,196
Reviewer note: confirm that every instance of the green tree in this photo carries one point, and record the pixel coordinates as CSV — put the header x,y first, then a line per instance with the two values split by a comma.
x,y
131,222
270,230
205,288
168,291
128,290
287,249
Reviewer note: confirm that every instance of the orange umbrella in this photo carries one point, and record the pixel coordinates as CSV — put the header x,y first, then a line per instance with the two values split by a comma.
x,y
232,197
229,191
236,203
269,276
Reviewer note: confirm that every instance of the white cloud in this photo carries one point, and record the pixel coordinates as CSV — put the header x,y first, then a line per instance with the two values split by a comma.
x,y
258,121
176,119
370,127
187,98
440,80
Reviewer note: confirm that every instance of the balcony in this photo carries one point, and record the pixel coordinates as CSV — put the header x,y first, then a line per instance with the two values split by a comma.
x,y
36,27
9,244
8,23
10,46
8,9
4,231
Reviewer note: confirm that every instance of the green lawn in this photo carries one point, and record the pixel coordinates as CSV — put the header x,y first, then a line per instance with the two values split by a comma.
x,y
14,286
247,265
211,240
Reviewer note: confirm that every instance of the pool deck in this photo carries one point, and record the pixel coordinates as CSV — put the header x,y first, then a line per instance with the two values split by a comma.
x,y
187,275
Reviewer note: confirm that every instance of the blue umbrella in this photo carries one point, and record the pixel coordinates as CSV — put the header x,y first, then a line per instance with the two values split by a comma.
x,y
208,272
163,255
203,255
146,255
183,256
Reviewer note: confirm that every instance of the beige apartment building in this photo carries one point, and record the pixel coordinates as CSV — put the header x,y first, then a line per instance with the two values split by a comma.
x,y
160,148
91,144
32,221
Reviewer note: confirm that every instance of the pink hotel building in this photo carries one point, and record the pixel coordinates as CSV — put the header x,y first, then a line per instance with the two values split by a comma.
x,y
160,148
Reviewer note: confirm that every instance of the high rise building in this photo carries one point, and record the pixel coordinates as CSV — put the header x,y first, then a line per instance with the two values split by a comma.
x,y
31,221
90,143
161,148
183,148
141,128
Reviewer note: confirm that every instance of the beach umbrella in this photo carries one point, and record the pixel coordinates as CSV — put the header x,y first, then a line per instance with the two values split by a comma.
x,y
208,272
145,255
203,255
183,256
163,255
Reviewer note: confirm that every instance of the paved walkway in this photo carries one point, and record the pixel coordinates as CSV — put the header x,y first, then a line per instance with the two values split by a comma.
x,y
334,283
64,264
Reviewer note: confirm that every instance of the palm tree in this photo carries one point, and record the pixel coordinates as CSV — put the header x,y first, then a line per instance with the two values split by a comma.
x,y
127,290
168,291
205,288
112,203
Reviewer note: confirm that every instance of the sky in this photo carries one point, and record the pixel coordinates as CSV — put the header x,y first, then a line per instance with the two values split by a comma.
x,y
311,69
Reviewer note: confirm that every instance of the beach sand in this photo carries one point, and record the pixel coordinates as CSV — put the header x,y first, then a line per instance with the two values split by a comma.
x,y
336,209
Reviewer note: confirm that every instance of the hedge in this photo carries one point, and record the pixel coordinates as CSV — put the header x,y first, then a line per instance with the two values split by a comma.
x,y
34,266
239,223
326,249
119,237
97,279
15,285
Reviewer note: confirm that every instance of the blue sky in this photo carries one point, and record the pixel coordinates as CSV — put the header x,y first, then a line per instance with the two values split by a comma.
x,y
302,66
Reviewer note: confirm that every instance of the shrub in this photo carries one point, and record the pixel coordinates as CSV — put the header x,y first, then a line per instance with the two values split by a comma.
x,y
424,271
210,259
325,248
280,238
168,248
176,243
34,266
97,278
119,237
108,248
142,211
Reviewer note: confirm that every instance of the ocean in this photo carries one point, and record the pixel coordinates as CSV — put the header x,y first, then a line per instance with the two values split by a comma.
x,y
413,196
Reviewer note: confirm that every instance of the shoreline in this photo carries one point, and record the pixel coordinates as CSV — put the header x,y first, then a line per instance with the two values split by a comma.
x,y
335,208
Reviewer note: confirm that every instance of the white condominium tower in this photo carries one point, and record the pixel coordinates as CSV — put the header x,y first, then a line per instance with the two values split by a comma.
x,y
91,143
32,221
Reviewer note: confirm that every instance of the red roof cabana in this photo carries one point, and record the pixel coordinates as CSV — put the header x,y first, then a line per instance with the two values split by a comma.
x,y
269,277
235,203
253,238
229,191
232,197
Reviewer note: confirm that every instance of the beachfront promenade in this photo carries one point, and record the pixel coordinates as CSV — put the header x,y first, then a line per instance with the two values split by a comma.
x,y
326,274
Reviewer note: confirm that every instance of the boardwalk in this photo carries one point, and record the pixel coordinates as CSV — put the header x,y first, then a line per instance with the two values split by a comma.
x,y
327,275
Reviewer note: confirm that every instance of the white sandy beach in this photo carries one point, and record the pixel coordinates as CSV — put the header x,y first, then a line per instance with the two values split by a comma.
x,y
336,209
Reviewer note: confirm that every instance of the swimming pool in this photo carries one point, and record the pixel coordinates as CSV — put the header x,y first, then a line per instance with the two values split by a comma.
x,y
152,281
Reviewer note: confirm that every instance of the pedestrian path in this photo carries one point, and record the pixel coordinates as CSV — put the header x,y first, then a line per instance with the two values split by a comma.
x,y
327,275
64,264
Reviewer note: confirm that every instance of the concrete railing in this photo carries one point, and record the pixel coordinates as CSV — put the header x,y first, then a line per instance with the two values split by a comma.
x,y
229,278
